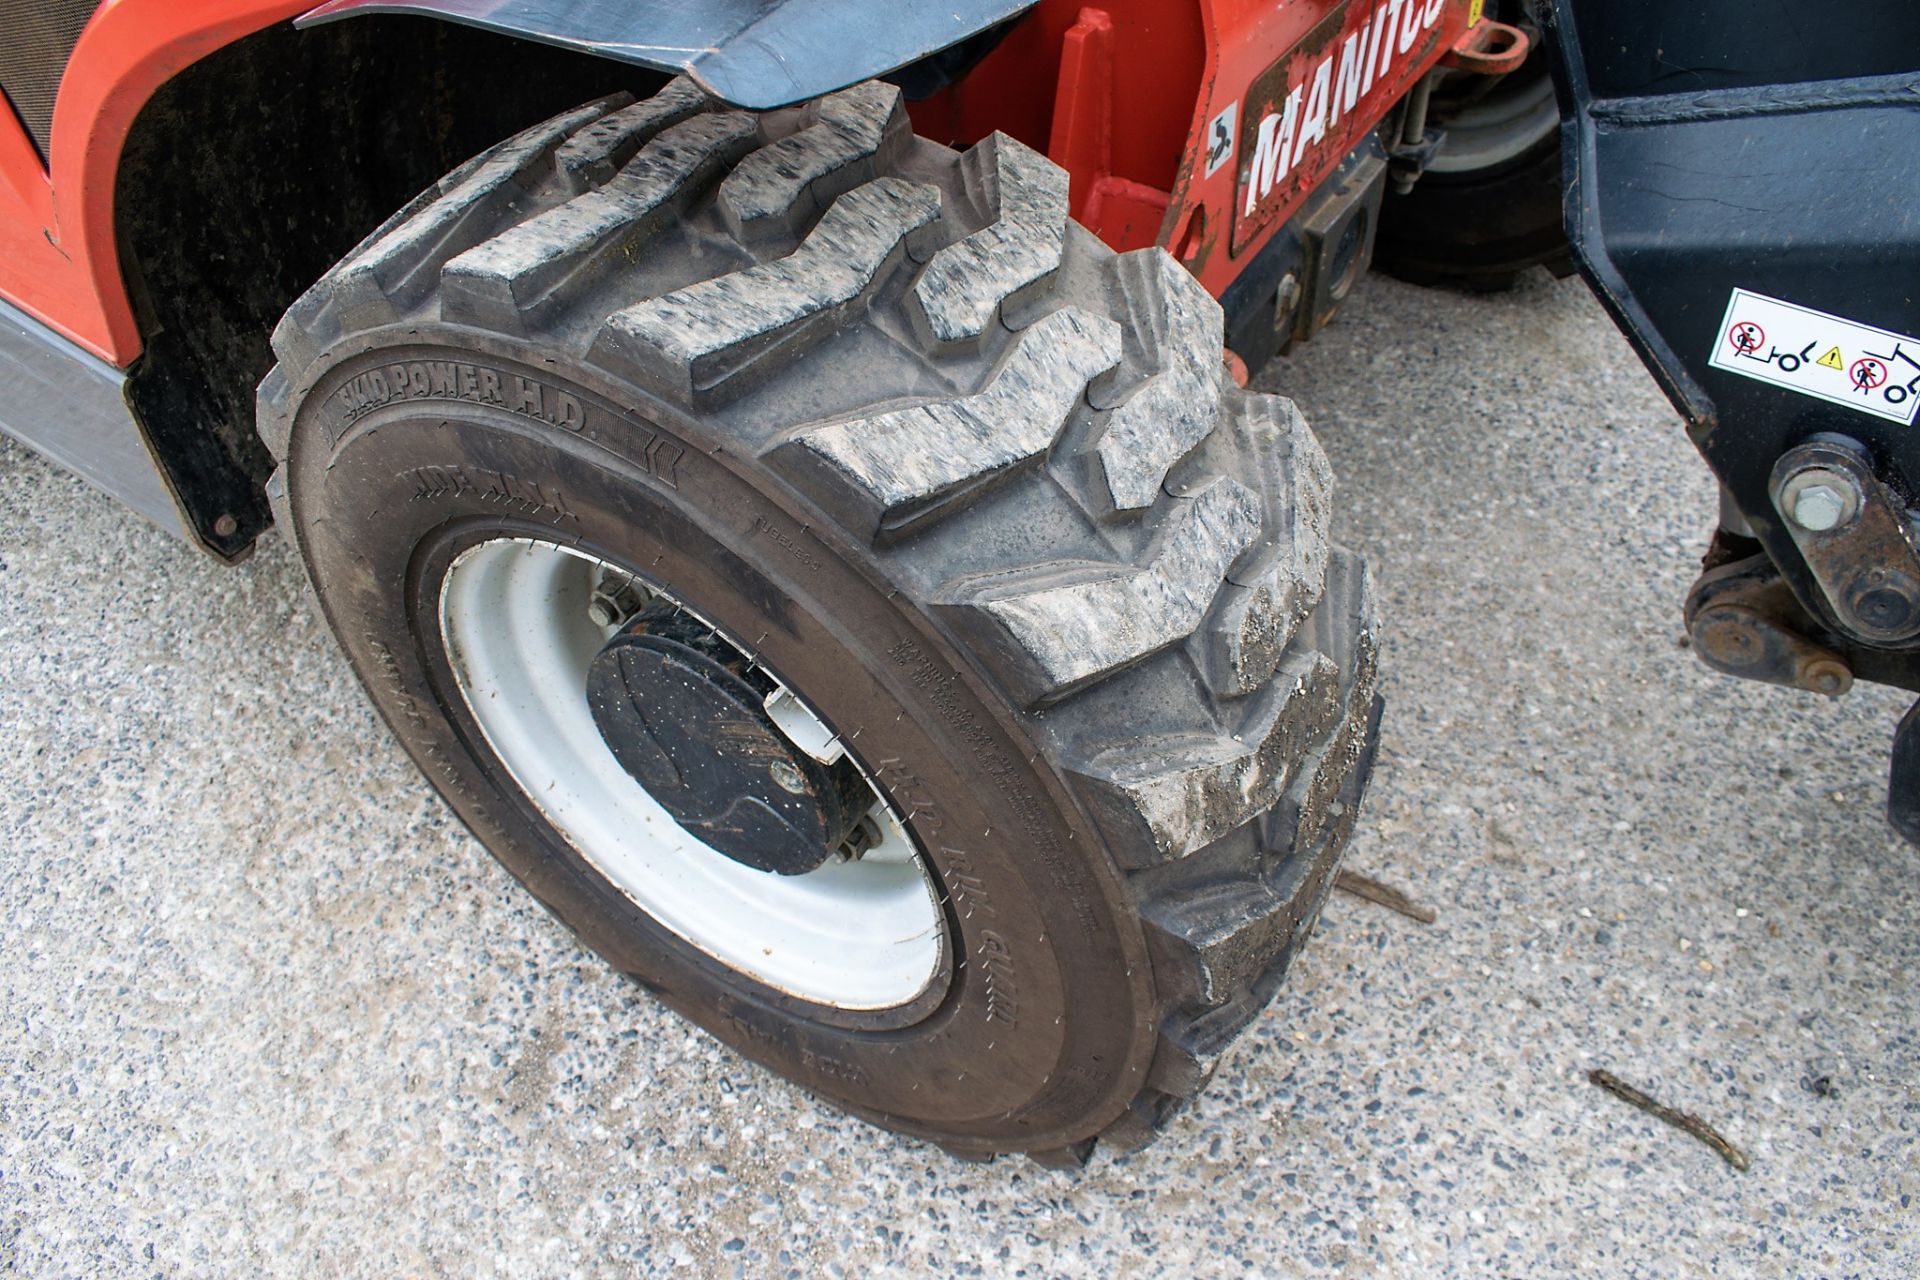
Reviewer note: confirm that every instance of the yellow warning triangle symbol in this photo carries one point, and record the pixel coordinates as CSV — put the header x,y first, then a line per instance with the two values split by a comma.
x,y
1831,359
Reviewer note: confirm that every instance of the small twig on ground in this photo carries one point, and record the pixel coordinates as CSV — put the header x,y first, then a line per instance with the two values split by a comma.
x,y
1384,895
1685,1123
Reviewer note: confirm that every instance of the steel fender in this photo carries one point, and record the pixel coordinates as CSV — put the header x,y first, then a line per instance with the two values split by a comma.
x,y
752,53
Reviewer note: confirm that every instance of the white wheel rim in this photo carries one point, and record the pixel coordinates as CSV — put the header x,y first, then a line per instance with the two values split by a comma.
x,y
859,935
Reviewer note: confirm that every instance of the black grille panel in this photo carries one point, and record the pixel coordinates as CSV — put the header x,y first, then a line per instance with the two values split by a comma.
x,y
36,38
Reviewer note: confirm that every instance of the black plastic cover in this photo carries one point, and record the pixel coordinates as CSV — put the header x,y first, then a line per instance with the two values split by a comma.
x,y
751,53
36,39
683,713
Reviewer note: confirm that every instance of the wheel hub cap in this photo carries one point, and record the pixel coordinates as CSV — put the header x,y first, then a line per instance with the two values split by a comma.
x,y
684,713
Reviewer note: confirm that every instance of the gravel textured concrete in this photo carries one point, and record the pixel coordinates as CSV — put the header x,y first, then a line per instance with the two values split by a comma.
x,y
269,1009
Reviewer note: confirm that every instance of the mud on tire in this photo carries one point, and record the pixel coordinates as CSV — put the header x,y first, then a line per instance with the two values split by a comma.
x,y
981,490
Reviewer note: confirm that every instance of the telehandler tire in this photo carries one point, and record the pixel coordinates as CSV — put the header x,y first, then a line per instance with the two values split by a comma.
x,y
1489,207
848,595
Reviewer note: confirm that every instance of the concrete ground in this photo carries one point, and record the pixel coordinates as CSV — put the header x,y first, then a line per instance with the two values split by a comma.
x,y
268,1009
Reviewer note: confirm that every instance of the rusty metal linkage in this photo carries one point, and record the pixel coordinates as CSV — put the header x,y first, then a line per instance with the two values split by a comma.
x,y
1743,619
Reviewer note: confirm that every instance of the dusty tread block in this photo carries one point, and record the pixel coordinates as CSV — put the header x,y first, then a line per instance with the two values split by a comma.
x,y
1068,1159
965,283
593,155
1306,811
1260,610
1313,798
696,337
1296,482
1169,797
1074,622
276,491
1190,1049
1140,1123
509,275
1222,937
903,462
1225,945
313,322
397,269
273,412
787,182
1178,405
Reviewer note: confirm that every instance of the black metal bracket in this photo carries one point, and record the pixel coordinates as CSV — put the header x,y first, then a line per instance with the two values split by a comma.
x,y
1903,780
1707,151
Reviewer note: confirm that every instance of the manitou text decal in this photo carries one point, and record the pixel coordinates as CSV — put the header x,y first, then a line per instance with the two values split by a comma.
x,y
1345,80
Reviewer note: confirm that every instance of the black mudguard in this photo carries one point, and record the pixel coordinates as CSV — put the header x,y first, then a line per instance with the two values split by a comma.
x,y
751,53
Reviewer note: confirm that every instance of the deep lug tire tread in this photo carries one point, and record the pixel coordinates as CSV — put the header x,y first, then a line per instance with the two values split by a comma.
x,y
1053,463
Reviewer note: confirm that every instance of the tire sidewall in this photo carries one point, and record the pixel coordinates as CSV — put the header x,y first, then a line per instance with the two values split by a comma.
x,y
1045,1021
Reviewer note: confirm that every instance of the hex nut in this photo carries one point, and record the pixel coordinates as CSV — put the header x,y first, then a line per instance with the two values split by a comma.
x,y
1820,499
1818,507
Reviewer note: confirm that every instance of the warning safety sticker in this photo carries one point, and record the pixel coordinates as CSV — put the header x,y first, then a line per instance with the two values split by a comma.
x,y
1837,360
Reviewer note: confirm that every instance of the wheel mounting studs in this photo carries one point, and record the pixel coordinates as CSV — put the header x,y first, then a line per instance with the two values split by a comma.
x,y
616,598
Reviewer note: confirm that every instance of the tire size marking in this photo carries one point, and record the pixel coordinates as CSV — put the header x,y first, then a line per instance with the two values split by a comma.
x,y
425,726
937,683
968,892
917,807
1817,354
762,527
836,1069
524,497
965,889
996,968
777,1047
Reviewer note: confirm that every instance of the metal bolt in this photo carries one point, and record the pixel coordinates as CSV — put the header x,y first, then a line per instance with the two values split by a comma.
x,y
1824,675
788,776
1285,299
1819,507
1820,500
225,526
615,599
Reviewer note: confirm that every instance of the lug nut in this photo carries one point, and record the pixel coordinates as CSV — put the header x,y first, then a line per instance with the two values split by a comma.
x,y
615,599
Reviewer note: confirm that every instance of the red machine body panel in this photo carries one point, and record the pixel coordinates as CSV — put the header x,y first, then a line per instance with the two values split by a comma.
x,y
1197,124
58,258
1135,97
